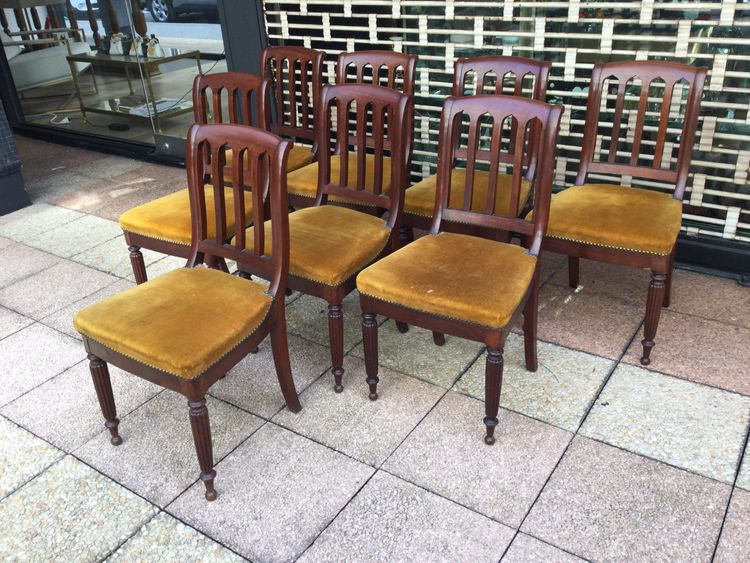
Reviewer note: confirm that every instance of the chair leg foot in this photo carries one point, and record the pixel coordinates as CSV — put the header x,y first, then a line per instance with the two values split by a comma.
x,y
402,327
103,386
201,428
370,343
573,271
138,265
438,338
336,336
493,381
654,304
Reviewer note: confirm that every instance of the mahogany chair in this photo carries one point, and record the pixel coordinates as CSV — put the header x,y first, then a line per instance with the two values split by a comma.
x,y
330,244
296,75
466,285
187,328
626,225
164,224
388,69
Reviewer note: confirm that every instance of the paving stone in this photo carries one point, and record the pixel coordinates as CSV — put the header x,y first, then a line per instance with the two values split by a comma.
x,y
415,354
50,290
499,481
157,458
161,266
252,384
6,242
76,236
743,479
551,264
277,492
734,544
46,189
11,322
108,167
349,422
392,520
682,423
526,549
168,540
113,257
65,411
621,282
21,261
559,392
35,219
22,457
606,504
710,297
69,513
33,355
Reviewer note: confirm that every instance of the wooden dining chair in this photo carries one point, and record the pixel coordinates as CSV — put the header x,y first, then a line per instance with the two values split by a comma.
x,y
616,223
466,285
388,69
330,244
296,76
164,224
187,328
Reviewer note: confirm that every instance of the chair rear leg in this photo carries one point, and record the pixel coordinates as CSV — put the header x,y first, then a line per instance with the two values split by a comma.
x,y
370,343
201,428
406,235
402,327
336,338
530,320
654,303
280,348
493,382
103,386
573,271
438,338
137,263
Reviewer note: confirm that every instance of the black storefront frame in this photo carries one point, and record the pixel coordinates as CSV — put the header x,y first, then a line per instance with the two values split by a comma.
x,y
244,34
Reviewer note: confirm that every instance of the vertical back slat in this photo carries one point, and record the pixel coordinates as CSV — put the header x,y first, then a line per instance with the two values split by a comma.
x,y
378,134
259,224
304,94
495,147
471,156
232,99
640,119
614,141
361,135
279,88
238,191
663,124
293,91
218,162
518,158
342,135
216,102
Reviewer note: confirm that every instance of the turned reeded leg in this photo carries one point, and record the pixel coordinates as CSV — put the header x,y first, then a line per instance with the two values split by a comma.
x,y
573,271
201,428
668,283
530,315
402,327
370,335
493,381
103,386
138,265
653,312
336,337
438,338
280,348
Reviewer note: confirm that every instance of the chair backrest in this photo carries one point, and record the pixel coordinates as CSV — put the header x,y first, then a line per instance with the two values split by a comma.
x,y
244,96
490,118
265,157
384,68
365,116
666,94
497,72
296,75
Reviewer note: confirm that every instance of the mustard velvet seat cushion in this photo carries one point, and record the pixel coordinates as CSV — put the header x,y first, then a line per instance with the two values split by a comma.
x,y
616,217
304,182
168,218
456,276
182,322
298,157
329,244
420,198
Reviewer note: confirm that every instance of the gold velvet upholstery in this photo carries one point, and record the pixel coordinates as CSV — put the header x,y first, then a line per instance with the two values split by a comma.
x,y
329,244
304,182
168,218
616,217
298,157
420,198
456,276
182,322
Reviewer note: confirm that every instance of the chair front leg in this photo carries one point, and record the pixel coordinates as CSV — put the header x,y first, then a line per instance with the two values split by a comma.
x,y
280,348
668,284
438,338
573,271
654,304
370,343
201,428
493,382
336,338
137,263
103,386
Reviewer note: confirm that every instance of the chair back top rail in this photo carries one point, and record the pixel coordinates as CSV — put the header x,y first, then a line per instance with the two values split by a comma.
x,y
265,159
494,116
365,116
659,81
296,75
392,64
246,97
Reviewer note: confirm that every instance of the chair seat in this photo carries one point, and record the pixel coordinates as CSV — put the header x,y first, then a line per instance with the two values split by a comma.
x,y
456,276
304,182
298,157
329,244
168,218
420,198
179,322
616,217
